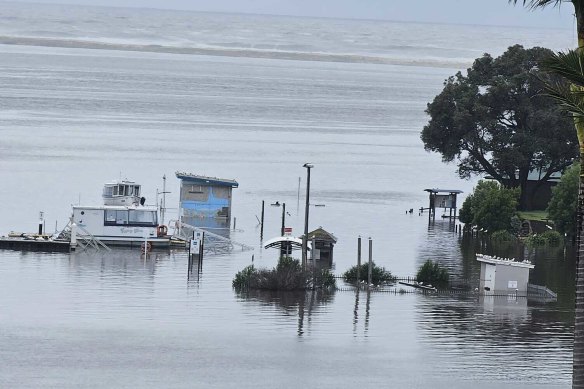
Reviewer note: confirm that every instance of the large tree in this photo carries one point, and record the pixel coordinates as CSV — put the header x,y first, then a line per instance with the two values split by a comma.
x,y
563,206
495,120
578,363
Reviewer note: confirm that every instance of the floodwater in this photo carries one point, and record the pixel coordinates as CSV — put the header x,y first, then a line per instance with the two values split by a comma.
x,y
75,117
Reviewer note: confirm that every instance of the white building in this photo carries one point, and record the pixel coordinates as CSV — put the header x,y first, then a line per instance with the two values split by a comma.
x,y
503,275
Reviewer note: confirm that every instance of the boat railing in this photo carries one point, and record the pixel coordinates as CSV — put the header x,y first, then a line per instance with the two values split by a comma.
x,y
212,241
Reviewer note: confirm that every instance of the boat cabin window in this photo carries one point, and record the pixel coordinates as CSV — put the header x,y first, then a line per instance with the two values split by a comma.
x,y
132,217
108,191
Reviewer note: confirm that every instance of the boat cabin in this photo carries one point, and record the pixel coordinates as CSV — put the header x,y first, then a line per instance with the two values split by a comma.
x,y
122,193
113,224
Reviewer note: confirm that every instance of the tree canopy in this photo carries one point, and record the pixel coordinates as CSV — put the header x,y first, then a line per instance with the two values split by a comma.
x,y
564,203
497,120
489,207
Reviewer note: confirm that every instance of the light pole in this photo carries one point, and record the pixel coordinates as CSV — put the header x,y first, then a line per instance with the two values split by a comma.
x,y
308,166
283,249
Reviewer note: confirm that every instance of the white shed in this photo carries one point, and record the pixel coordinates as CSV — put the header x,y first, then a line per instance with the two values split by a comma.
x,y
503,275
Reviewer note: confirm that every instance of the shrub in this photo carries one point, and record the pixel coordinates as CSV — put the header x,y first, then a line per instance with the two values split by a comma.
x,y
552,238
535,240
242,278
378,274
502,236
432,273
287,275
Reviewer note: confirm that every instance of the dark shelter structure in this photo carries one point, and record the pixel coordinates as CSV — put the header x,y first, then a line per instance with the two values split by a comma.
x,y
323,245
442,198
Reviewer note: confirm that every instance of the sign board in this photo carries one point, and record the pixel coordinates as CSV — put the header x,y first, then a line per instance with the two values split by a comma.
x,y
512,284
315,254
444,201
196,243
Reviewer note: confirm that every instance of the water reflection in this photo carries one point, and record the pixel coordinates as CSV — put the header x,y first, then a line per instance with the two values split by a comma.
x,y
367,296
303,304
496,331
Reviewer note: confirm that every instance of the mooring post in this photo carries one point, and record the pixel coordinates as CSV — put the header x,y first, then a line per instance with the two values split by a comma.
x,y
262,222
358,260
201,248
369,272
41,221
73,242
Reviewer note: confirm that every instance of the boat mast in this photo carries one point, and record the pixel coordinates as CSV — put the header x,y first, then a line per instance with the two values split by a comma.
x,y
163,204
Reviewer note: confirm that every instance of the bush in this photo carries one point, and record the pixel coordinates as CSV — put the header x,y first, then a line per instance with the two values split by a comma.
x,y
564,202
242,278
552,238
378,274
503,236
287,275
432,273
490,206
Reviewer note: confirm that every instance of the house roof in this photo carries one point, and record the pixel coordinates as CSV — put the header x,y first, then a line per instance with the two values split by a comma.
x,y
204,180
321,234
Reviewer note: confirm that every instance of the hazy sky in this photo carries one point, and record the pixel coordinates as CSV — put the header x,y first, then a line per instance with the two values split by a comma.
x,y
494,12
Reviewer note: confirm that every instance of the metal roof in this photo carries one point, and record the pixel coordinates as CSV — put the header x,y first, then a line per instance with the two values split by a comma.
x,y
443,191
206,180
295,243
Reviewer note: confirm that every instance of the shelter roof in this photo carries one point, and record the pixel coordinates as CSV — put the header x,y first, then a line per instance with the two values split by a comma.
x,y
204,180
443,191
295,243
321,234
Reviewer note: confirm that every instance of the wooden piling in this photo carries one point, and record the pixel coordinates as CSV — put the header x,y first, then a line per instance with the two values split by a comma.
x,y
369,272
358,260
262,222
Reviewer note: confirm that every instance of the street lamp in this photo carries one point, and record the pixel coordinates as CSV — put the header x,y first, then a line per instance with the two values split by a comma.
x,y
283,248
308,166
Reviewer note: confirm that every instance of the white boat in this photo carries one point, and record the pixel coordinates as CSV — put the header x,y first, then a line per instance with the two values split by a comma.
x,y
122,220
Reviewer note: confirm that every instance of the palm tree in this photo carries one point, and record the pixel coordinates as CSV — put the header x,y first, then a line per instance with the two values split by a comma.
x,y
570,65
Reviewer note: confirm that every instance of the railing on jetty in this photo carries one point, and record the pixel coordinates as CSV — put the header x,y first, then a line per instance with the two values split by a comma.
x,y
213,242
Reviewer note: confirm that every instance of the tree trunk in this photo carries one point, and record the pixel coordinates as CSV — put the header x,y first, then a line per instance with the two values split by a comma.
x,y
578,362
578,366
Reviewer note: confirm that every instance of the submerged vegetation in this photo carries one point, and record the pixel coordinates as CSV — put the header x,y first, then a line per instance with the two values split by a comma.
x,y
287,275
432,273
378,274
551,238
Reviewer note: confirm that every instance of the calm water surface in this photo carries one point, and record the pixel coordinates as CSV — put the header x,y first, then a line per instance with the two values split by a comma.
x,y
74,118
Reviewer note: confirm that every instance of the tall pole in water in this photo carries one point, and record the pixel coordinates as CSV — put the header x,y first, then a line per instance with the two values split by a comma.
x,y
305,236
163,205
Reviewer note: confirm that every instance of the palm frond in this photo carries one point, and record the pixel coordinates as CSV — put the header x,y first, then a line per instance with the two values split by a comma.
x,y
569,65
538,3
569,99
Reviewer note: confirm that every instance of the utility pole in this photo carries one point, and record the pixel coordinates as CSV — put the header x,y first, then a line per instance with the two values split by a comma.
x,y
308,166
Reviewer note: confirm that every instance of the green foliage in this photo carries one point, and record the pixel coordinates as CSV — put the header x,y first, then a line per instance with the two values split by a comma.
x,y
378,274
497,120
551,238
490,207
325,279
503,236
287,275
564,203
432,273
243,277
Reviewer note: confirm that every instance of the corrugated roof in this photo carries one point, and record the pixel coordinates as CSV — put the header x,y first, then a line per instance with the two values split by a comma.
x,y
206,180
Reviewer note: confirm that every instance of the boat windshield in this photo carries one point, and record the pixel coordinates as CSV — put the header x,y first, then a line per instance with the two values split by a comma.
x,y
132,217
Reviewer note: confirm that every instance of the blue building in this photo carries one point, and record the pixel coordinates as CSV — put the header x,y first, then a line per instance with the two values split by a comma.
x,y
205,201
